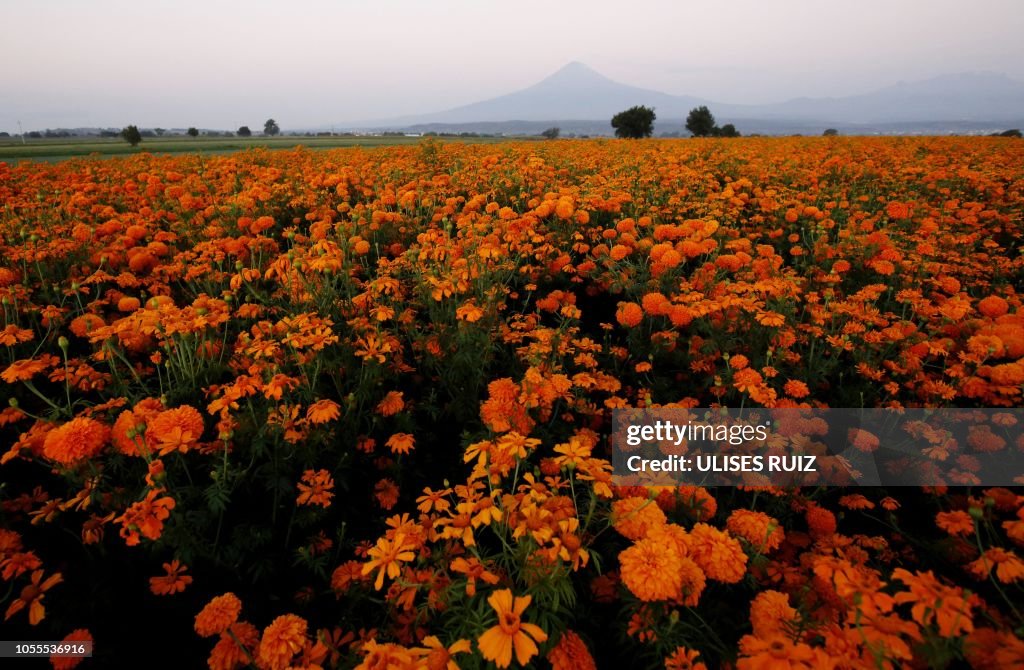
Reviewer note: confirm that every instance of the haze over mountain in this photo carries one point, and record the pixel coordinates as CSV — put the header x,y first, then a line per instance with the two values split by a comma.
x,y
578,93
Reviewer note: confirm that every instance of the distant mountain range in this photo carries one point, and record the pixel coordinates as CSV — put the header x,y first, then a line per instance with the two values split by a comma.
x,y
579,99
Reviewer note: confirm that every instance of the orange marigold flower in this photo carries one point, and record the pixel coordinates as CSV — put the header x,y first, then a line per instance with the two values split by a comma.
x,y
146,517
747,380
76,441
652,570
385,656
85,324
469,312
898,210
128,433
401,443
1007,565
795,388
345,575
684,659
282,639
889,503
386,558
655,304
619,251
474,570
438,657
856,501
69,662
173,582
629,314
781,652
771,319
23,370
511,633
392,404
386,493
935,602
316,488
218,615
128,304
323,411
227,654
821,522
177,429
771,614
762,531
993,306
718,555
698,502
634,517
957,522
571,653
31,596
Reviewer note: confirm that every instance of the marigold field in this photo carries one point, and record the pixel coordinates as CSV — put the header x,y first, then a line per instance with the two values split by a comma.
x,y
351,408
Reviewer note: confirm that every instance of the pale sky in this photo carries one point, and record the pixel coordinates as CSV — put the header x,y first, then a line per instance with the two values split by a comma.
x,y
220,64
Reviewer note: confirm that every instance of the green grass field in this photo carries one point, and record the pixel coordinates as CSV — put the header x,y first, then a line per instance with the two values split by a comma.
x,y
12,150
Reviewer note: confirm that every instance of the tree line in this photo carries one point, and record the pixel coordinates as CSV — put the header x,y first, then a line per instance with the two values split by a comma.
x,y
132,135
638,121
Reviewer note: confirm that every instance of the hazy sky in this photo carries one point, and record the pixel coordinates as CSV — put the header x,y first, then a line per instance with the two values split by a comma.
x,y
220,64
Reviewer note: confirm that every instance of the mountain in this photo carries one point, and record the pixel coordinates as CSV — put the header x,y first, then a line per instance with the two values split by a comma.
x,y
971,96
968,102
573,92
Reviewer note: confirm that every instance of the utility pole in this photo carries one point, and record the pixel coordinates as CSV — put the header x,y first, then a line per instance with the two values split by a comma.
x,y
20,130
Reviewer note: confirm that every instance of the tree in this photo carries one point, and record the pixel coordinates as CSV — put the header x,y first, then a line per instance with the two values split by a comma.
x,y
830,132
701,122
271,128
131,135
728,130
1013,132
159,131
634,123
244,132
192,132
551,133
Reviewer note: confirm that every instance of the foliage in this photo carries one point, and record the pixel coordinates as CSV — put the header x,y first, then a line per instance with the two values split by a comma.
x,y
634,123
131,135
728,130
271,128
701,122
243,131
551,133
830,132
192,132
